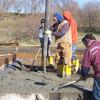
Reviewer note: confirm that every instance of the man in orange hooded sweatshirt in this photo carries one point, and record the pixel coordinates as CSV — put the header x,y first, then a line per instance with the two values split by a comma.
x,y
68,16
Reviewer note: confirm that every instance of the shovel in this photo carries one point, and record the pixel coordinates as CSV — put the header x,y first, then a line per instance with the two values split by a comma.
x,y
65,84
36,57
72,82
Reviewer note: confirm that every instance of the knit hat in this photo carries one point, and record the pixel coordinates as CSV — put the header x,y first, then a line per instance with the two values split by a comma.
x,y
59,17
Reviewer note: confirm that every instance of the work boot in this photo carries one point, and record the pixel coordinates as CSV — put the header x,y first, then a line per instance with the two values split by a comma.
x,y
61,70
51,61
68,70
76,64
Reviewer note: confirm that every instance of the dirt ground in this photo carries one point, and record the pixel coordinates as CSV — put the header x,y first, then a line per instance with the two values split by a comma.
x,y
21,81
27,82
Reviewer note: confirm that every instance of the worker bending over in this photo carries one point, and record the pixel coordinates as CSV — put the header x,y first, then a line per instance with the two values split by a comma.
x,y
92,58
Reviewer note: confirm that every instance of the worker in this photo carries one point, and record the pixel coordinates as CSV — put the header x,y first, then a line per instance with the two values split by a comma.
x,y
64,43
41,38
41,34
68,16
92,58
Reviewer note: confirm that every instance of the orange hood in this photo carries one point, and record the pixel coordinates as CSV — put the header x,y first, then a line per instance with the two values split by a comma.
x,y
68,16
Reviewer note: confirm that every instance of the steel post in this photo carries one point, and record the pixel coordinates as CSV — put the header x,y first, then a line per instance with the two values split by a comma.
x,y
46,27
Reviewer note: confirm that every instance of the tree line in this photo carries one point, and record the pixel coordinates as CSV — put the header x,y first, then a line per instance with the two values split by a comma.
x,y
87,16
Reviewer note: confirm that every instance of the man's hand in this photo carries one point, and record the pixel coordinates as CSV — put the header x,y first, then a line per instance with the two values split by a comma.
x,y
48,32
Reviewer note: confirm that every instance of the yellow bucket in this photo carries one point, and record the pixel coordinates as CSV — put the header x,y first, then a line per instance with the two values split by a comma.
x,y
68,70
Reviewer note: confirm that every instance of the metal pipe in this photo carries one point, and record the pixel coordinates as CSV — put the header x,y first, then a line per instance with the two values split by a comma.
x,y
46,27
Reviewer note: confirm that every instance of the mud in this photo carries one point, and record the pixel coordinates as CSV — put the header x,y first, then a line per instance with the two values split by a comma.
x,y
23,82
20,81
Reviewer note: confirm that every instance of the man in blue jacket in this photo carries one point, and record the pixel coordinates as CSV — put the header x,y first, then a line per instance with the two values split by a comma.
x,y
63,39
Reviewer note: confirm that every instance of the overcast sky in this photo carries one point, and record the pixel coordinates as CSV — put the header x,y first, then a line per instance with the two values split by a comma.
x,y
81,2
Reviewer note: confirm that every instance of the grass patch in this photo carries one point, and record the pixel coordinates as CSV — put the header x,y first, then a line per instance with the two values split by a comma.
x,y
26,42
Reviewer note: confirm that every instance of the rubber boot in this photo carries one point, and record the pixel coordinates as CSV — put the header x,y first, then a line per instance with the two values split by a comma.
x,y
68,70
51,61
57,57
61,70
76,64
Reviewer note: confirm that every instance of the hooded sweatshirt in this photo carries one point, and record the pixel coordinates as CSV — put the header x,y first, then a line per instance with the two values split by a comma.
x,y
63,33
68,16
65,27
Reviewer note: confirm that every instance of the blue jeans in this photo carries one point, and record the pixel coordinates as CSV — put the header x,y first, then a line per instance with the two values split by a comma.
x,y
96,89
74,47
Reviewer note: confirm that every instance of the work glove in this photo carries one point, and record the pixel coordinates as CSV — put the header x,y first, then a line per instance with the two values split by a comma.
x,y
48,32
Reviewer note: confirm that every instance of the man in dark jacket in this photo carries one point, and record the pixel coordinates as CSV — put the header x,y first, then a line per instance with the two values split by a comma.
x,y
41,38
92,58
63,38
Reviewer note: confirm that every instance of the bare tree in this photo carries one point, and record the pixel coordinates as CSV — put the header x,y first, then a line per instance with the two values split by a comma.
x,y
91,14
5,5
37,5
26,4
18,6
33,6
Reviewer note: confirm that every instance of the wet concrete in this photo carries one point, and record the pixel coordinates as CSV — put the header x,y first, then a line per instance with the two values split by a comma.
x,y
19,81
23,82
